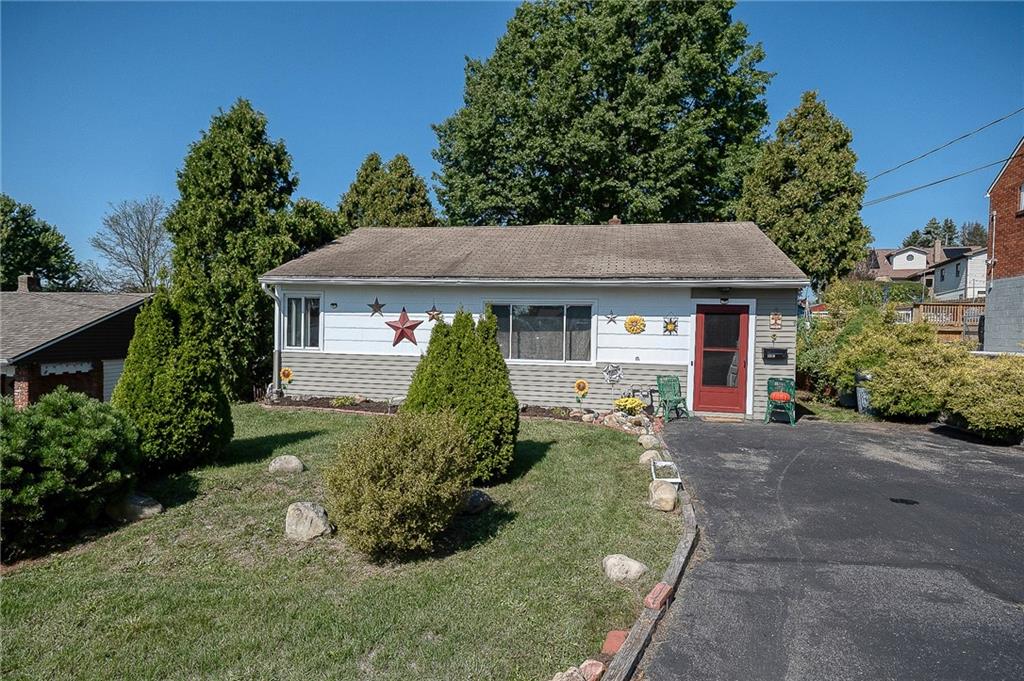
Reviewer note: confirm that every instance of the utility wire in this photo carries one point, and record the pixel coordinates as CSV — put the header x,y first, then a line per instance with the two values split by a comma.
x,y
932,184
947,144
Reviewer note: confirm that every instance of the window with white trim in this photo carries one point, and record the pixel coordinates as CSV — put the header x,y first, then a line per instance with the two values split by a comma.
x,y
1020,200
552,333
302,322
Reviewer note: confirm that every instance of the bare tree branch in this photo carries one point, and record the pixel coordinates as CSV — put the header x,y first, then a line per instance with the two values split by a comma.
x,y
134,244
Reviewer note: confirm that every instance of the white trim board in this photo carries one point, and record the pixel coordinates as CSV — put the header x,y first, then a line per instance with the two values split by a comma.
x,y
751,304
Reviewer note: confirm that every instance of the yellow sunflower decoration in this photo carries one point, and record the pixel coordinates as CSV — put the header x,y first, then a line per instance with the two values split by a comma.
x,y
635,324
287,375
582,388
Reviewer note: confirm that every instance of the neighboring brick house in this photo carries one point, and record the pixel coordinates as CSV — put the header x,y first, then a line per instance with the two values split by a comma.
x,y
1004,305
49,339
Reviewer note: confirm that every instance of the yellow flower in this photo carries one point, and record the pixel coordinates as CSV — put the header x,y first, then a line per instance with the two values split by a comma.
x,y
581,387
286,375
635,324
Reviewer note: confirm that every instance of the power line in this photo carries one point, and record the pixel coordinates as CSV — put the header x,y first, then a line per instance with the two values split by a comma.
x,y
949,143
932,184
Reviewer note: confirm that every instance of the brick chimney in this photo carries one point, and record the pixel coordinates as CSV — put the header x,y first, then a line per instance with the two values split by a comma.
x,y
615,220
27,283
937,253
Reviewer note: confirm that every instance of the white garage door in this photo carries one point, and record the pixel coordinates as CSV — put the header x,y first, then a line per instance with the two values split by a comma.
x,y
111,372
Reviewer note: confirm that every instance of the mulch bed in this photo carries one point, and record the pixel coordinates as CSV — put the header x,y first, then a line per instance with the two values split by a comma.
x,y
366,406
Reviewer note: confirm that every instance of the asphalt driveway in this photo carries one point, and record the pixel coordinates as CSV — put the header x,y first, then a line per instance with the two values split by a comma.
x,y
839,551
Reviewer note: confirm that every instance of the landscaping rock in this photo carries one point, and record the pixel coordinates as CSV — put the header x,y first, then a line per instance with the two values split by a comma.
x,y
306,520
570,674
589,418
592,670
649,442
620,568
358,399
286,464
650,455
134,507
661,495
477,501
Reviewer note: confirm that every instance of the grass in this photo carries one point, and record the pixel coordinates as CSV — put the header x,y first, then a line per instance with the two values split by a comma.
x,y
807,405
211,589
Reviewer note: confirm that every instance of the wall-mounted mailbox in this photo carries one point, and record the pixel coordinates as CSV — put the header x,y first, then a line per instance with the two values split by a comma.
x,y
775,354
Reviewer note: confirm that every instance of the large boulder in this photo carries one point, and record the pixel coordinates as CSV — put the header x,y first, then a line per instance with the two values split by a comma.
x,y
306,520
649,442
620,568
477,501
286,464
650,455
134,507
661,495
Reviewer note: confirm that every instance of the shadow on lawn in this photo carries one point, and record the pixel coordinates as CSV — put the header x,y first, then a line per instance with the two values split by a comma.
x,y
528,454
250,449
467,531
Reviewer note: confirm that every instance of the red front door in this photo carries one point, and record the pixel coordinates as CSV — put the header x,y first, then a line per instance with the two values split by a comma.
x,y
720,365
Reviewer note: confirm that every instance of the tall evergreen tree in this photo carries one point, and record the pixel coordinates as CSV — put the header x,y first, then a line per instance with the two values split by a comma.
x,y
651,111
29,245
973,234
232,222
806,194
386,195
946,231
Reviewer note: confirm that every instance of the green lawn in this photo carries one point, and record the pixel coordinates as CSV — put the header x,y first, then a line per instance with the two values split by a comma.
x,y
808,405
212,590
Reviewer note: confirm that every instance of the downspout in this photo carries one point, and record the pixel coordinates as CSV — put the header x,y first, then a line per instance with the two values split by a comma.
x,y
990,275
276,379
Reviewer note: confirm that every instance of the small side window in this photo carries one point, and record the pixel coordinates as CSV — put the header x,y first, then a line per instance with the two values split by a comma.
x,y
958,270
1020,201
302,322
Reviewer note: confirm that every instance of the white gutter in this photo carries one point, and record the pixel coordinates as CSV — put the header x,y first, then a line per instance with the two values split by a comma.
x,y
276,380
462,281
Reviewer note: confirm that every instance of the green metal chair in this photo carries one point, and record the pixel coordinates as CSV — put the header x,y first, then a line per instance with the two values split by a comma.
x,y
670,398
781,396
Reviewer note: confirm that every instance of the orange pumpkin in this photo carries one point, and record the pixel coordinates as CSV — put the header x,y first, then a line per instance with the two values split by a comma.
x,y
779,396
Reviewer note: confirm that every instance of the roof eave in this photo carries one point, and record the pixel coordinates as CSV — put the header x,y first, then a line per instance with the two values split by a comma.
x,y
732,282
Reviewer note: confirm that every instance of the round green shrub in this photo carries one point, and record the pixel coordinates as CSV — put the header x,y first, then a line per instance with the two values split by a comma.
x,y
61,460
913,380
395,488
986,396
464,371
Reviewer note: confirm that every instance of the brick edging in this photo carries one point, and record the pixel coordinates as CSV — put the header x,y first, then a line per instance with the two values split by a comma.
x,y
624,664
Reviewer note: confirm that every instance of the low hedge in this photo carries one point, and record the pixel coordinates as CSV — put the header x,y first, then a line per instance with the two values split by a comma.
x,y
61,460
913,380
986,396
393,490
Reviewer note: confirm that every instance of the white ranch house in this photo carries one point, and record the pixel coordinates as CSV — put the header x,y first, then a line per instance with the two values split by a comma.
x,y
718,302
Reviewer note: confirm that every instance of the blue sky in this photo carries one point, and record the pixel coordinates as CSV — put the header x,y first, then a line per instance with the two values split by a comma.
x,y
100,101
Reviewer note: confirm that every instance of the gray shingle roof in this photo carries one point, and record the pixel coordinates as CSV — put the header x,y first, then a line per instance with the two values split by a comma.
x,y
29,320
719,250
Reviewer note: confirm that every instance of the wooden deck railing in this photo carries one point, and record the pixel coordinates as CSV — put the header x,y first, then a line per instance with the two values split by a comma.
x,y
954,321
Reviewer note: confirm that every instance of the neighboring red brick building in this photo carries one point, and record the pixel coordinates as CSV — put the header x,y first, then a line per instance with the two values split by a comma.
x,y
1004,306
75,339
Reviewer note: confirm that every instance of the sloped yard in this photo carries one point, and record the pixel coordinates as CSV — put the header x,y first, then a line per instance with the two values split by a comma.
x,y
212,589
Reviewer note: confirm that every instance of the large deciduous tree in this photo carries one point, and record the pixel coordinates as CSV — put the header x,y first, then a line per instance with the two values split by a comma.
x,y
386,195
134,244
652,111
29,245
806,194
232,222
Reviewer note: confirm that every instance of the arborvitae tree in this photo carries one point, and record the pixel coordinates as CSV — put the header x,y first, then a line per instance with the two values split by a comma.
x,y
172,391
231,223
29,245
806,194
389,195
648,110
463,370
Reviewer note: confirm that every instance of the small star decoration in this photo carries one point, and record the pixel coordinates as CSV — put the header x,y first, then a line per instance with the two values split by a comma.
x,y
611,317
376,307
434,314
404,328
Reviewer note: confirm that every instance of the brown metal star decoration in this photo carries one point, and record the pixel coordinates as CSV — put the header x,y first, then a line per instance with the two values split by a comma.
x,y
435,315
376,307
404,328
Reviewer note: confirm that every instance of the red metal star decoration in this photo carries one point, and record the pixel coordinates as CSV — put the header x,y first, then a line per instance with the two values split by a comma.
x,y
404,328
434,314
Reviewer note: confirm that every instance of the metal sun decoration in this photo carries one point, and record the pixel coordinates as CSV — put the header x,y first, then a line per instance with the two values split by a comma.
x,y
670,327
612,373
376,307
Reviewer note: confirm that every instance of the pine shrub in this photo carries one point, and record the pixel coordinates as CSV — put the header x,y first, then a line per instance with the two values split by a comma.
x,y
61,460
171,389
986,396
464,371
913,380
395,488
